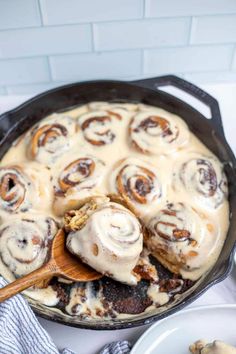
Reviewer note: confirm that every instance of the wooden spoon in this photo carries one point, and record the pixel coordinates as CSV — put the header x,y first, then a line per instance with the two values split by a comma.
x,y
60,263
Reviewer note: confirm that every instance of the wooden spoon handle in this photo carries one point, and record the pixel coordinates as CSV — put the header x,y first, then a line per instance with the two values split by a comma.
x,y
47,270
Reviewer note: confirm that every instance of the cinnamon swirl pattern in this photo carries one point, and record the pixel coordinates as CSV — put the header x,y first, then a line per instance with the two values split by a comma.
x,y
137,182
153,133
77,182
50,138
21,188
115,239
15,189
203,178
181,238
99,127
117,110
24,243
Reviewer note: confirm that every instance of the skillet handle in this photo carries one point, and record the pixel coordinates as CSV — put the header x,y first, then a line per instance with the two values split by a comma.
x,y
204,97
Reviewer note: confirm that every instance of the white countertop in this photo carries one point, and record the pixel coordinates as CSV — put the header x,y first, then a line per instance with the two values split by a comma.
x,y
90,342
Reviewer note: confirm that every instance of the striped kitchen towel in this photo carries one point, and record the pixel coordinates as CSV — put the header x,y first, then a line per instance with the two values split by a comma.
x,y
21,333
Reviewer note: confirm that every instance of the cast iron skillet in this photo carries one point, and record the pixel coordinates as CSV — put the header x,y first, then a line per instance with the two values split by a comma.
x,y
210,131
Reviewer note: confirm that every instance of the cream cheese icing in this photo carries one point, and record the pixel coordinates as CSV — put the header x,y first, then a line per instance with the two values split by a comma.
x,y
145,154
110,241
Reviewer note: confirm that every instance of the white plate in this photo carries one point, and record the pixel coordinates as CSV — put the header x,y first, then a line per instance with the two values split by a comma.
x,y
174,334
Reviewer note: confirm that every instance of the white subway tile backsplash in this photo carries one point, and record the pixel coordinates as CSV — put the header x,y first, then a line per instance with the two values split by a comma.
x,y
96,65
214,29
167,8
234,60
32,88
141,34
45,40
188,59
24,71
74,11
216,76
3,91
19,13
45,43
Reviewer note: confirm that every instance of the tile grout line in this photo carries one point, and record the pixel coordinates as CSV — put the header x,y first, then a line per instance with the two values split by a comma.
x,y
121,50
40,13
232,59
49,69
93,37
5,91
194,15
144,9
146,19
190,30
143,62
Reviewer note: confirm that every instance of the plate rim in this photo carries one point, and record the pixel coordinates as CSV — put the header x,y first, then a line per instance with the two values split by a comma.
x,y
192,309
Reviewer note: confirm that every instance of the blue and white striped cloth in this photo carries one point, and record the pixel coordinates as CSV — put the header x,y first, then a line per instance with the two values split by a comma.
x,y
21,333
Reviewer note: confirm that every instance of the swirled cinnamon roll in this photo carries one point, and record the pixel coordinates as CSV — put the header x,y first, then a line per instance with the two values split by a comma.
x,y
21,188
50,138
99,127
118,110
156,133
24,243
76,182
137,182
182,239
203,178
115,239
216,347
15,189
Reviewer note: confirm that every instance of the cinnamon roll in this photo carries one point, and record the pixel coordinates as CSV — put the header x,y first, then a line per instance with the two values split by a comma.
x,y
115,239
99,127
25,241
21,188
203,178
77,182
50,138
138,183
216,347
155,132
118,110
182,239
